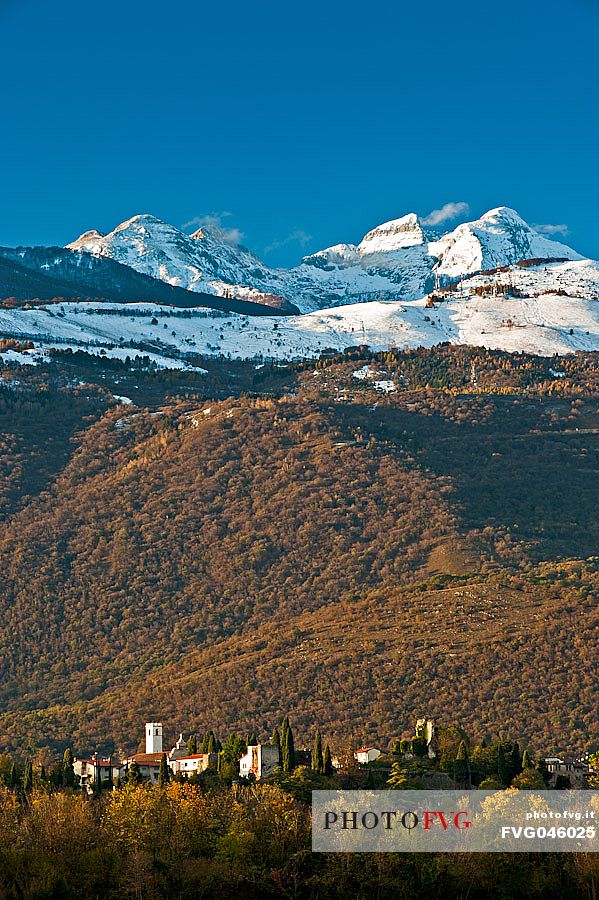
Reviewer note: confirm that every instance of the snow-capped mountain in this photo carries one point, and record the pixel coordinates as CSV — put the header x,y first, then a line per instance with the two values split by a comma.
x,y
499,238
44,273
400,259
493,282
204,262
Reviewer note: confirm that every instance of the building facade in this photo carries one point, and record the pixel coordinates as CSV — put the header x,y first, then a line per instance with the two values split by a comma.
x,y
260,761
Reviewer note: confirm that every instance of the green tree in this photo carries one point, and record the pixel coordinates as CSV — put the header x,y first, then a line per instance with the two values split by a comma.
x,y
492,783
328,769
503,772
28,777
68,771
529,779
13,777
233,749
461,769
527,762
401,780
192,745
134,774
419,746
252,739
209,741
287,746
317,758
163,772
543,771
514,761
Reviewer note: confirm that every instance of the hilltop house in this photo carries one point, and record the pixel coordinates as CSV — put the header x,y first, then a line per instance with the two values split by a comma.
x,y
575,770
366,754
95,771
260,761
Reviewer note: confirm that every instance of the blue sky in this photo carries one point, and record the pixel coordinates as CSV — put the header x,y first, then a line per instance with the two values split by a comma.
x,y
298,125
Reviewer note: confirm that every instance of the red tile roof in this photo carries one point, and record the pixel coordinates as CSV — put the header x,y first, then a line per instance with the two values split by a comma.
x,y
145,759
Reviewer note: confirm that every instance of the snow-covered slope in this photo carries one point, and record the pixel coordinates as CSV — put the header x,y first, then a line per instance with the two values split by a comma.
x,y
399,259
556,311
498,238
208,261
205,261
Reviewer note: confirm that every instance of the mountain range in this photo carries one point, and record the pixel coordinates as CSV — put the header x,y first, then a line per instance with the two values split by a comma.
x,y
494,282
401,259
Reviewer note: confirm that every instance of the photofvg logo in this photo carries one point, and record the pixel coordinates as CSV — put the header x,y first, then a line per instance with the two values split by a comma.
x,y
353,820
455,821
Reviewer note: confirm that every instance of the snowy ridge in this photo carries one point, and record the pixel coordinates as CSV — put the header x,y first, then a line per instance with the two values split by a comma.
x,y
397,260
498,238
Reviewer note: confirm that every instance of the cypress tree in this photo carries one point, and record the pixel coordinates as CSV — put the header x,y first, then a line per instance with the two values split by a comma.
x,y
163,773
514,762
211,744
192,745
287,746
543,770
207,738
13,778
252,739
68,772
461,766
527,762
502,766
317,760
28,777
329,771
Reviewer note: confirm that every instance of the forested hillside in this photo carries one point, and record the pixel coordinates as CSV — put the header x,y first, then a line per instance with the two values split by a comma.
x,y
313,542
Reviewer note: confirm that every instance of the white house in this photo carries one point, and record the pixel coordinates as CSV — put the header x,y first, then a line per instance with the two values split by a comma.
x,y
193,764
366,754
576,770
95,771
261,760
147,763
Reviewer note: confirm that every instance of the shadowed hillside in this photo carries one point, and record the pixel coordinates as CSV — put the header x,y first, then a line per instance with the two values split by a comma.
x,y
356,558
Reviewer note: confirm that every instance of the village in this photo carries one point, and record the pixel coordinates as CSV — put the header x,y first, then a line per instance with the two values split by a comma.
x,y
417,759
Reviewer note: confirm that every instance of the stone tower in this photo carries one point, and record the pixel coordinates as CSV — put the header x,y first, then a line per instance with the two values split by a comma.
x,y
153,737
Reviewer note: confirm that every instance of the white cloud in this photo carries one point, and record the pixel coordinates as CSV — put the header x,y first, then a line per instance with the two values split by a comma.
x,y
215,220
447,213
297,236
552,229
